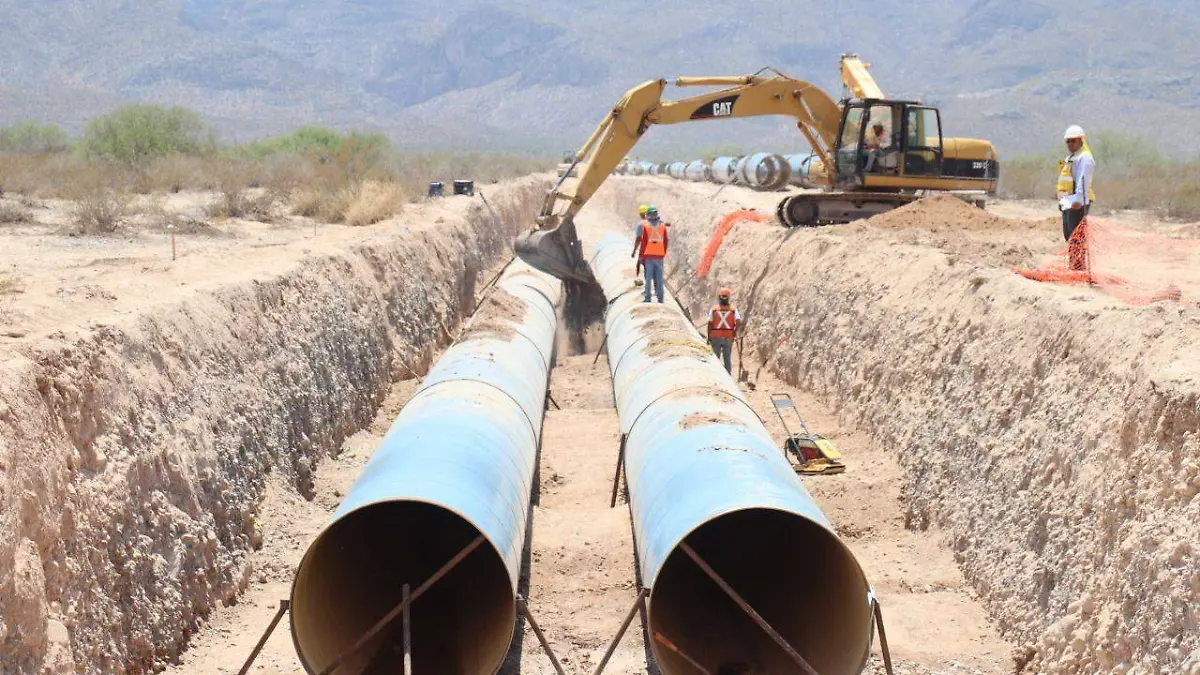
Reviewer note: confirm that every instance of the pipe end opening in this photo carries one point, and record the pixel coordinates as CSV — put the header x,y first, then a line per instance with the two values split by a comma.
x,y
353,574
796,574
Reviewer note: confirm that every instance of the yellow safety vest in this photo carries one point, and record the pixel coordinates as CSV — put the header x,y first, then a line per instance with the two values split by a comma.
x,y
1066,178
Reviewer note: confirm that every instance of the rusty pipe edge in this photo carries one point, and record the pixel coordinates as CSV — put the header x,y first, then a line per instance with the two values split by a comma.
x,y
702,467
457,463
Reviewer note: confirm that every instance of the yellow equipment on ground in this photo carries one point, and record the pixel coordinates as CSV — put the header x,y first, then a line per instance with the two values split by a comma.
x,y
860,174
814,454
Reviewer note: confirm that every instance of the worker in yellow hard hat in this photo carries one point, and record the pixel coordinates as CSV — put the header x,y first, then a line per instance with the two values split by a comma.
x,y
637,228
637,233
723,323
1074,186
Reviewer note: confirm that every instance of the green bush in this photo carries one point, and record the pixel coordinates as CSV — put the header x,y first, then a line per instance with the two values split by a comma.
x,y
1121,153
355,152
140,132
32,137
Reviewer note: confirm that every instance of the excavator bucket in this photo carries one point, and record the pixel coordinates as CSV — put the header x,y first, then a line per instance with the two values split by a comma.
x,y
556,252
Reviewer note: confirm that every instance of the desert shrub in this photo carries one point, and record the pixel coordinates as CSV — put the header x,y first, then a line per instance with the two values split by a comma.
x,y
137,133
14,212
34,138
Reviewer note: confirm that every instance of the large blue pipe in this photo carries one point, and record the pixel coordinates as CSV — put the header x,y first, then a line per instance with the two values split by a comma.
x,y
457,463
703,469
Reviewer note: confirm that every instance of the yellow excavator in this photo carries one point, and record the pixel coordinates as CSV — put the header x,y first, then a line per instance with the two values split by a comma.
x,y
875,153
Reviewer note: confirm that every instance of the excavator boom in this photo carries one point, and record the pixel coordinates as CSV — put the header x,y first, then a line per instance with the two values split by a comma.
x,y
553,246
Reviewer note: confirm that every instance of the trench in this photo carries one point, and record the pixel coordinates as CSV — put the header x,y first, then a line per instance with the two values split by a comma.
x,y
137,454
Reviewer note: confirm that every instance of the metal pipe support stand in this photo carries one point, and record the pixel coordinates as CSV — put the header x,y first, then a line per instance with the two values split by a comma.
x,y
284,606
883,643
523,609
612,646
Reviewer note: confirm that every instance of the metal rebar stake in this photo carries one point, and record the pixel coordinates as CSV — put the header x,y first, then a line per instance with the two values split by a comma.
x,y
612,646
523,608
617,476
741,602
483,291
600,351
398,609
284,605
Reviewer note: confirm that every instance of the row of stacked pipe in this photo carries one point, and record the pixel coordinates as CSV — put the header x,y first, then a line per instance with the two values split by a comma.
x,y
764,171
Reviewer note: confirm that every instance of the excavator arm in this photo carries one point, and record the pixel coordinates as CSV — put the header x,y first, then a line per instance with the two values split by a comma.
x,y
553,245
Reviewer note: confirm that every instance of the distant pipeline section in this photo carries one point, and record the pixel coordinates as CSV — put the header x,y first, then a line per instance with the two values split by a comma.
x,y
768,172
762,171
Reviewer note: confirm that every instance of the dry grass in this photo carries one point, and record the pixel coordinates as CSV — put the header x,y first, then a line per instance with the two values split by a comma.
x,y
10,284
248,203
12,213
1171,190
372,201
333,189
152,214
100,210
173,173
46,175
356,204
237,196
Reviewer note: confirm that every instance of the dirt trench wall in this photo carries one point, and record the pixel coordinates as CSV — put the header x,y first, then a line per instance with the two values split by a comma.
x,y
133,456
1052,433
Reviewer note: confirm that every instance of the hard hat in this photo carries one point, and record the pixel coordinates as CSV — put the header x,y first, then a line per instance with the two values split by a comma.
x,y
878,124
642,208
724,293
651,209
1073,131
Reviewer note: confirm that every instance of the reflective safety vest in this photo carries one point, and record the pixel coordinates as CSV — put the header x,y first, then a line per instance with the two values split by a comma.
x,y
722,322
656,239
1066,176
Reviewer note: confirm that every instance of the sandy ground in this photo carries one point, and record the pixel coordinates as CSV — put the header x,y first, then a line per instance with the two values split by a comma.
x,y
60,280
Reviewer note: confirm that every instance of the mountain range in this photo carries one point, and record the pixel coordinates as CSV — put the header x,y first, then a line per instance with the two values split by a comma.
x,y
535,76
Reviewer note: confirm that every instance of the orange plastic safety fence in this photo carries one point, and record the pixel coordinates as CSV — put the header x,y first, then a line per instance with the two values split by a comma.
x,y
724,225
1136,266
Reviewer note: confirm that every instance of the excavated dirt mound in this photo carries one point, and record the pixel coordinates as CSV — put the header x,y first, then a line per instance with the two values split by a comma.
x,y
942,213
1051,432
135,446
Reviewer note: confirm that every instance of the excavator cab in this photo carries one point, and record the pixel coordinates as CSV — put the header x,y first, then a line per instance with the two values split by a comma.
x,y
883,144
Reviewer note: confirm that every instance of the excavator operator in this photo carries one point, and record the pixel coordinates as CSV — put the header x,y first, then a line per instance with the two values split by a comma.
x,y
651,248
877,139
880,153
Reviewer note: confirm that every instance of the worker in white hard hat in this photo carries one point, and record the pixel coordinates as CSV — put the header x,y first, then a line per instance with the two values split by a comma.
x,y
1074,187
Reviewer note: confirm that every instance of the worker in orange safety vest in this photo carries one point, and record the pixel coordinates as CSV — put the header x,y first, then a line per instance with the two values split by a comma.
x,y
723,323
651,248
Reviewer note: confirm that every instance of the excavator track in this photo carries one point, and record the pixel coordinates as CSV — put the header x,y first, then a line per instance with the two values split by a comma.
x,y
831,208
